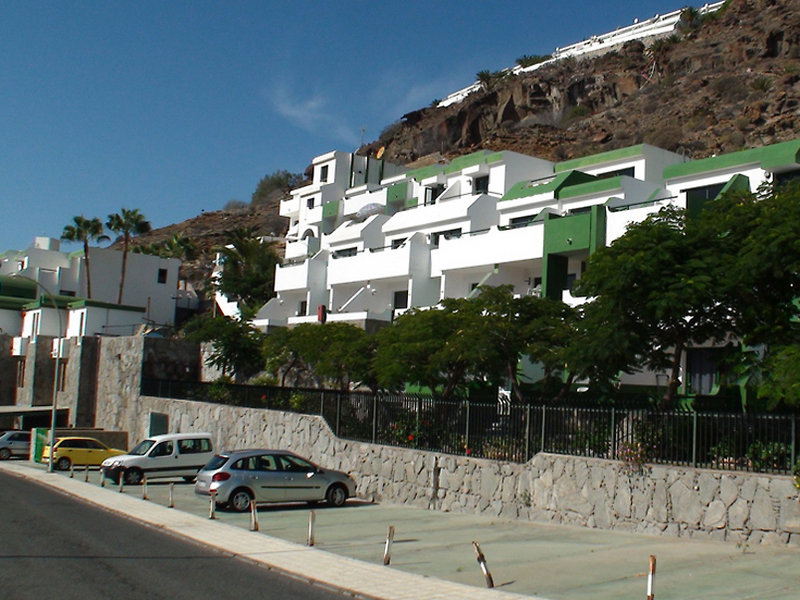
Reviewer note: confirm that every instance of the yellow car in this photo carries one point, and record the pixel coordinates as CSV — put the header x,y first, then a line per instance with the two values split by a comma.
x,y
78,451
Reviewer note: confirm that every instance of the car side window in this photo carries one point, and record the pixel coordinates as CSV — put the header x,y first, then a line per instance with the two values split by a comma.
x,y
266,462
163,449
297,465
93,445
249,463
194,446
73,444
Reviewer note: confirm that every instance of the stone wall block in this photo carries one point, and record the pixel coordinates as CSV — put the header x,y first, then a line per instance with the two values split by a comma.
x,y
715,517
686,506
762,512
708,484
790,516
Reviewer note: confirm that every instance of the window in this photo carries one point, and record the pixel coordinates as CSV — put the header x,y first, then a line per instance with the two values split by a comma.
x,y
521,221
310,203
571,279
66,293
480,185
449,234
432,193
398,242
629,171
163,449
323,173
401,299
94,445
697,197
162,276
61,376
303,308
344,252
194,446
295,464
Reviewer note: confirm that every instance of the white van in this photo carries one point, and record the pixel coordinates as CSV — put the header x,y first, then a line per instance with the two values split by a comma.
x,y
168,455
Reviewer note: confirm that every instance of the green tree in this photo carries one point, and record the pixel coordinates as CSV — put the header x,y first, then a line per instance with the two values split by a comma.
x,y
659,284
85,230
236,344
176,246
277,181
129,223
248,269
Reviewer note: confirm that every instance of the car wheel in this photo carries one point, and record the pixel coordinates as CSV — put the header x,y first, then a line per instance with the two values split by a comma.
x,y
240,500
133,476
5,453
336,495
63,464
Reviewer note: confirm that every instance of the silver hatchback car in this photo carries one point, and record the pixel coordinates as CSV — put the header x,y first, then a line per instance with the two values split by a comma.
x,y
239,476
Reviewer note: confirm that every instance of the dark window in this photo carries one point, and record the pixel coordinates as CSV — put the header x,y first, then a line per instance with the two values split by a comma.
x,y
323,173
215,463
295,464
94,445
266,462
163,449
608,174
697,197
194,446
21,373
303,309
398,242
73,444
481,185
571,279
310,203
66,292
521,221
401,299
346,252
162,276
432,193
703,369
449,234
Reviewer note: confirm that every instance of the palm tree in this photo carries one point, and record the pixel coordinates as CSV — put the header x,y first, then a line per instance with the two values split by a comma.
x,y
85,230
129,223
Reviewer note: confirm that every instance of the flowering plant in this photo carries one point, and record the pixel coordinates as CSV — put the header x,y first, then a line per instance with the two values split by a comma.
x,y
633,455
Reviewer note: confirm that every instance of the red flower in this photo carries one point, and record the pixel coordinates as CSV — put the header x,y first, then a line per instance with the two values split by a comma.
x,y
263,396
411,438
468,452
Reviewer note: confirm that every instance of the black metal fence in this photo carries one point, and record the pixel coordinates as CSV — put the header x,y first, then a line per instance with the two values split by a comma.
x,y
728,441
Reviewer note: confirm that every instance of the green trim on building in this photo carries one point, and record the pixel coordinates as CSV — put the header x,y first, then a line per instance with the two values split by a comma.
x,y
396,193
412,202
330,209
75,253
737,183
463,162
525,189
768,158
598,159
86,303
591,187
615,203
494,157
17,287
425,172
12,303
47,302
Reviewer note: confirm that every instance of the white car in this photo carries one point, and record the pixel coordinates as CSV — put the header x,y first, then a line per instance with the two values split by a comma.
x,y
168,455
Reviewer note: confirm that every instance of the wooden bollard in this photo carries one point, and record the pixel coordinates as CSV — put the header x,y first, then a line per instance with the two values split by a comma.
x,y
212,505
86,473
312,516
387,549
171,503
482,562
651,578
144,487
253,516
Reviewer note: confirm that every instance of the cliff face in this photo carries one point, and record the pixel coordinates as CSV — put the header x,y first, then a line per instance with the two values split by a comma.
x,y
720,84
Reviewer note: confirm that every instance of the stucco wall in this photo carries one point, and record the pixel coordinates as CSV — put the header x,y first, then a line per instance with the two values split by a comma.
x,y
8,371
675,501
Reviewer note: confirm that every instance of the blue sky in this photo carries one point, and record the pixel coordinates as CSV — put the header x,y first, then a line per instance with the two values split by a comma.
x,y
177,107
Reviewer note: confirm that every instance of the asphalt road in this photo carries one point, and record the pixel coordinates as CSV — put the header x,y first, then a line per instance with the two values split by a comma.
x,y
52,546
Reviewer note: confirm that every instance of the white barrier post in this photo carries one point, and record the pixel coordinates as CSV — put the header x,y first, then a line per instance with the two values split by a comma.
x,y
121,482
651,578
71,470
312,516
212,505
102,478
144,487
171,504
253,516
86,473
482,562
387,549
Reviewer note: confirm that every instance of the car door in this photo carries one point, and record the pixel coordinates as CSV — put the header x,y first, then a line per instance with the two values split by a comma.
x,y
95,453
75,450
162,460
19,443
301,480
262,475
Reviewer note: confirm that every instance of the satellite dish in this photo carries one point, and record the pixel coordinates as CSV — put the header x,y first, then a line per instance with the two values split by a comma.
x,y
380,152
373,208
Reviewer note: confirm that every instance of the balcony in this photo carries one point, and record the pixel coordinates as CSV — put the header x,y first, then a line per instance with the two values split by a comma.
x,y
293,276
371,264
19,346
491,246
290,207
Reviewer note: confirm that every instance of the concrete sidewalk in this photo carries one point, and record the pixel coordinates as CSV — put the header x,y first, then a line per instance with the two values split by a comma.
x,y
433,556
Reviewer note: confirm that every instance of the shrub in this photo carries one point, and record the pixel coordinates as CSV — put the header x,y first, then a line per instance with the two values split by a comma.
x,y
761,84
768,457
528,60
390,131
730,88
235,205
577,112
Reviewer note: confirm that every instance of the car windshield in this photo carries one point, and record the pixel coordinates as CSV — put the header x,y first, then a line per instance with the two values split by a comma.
x,y
215,463
142,448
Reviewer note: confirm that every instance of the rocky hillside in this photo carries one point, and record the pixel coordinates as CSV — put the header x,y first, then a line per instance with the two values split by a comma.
x,y
720,84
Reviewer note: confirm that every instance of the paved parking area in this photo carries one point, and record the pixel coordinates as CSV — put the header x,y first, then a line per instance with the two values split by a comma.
x,y
551,561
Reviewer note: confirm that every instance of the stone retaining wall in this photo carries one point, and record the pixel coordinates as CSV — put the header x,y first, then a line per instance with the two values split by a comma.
x,y
676,501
